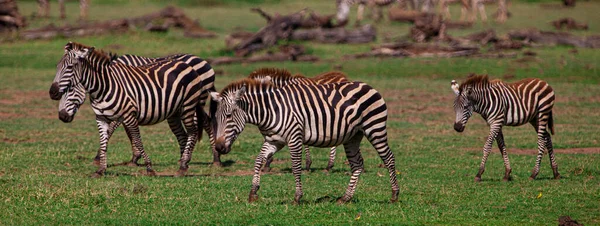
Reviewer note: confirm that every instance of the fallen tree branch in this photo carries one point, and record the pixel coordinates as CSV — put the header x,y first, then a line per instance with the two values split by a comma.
x,y
555,38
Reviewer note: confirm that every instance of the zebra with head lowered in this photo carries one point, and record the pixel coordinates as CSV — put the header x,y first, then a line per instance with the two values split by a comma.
x,y
72,100
133,95
279,78
511,104
323,115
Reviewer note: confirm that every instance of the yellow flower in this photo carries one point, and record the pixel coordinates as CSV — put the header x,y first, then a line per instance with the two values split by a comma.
x,y
357,217
539,195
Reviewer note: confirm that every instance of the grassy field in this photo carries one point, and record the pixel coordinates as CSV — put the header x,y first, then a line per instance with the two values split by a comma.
x,y
45,164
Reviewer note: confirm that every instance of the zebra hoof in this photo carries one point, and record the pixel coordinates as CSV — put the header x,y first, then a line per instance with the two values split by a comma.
x,y
394,196
266,169
326,171
180,173
507,179
132,164
96,175
556,177
342,201
217,164
150,173
477,179
96,162
252,198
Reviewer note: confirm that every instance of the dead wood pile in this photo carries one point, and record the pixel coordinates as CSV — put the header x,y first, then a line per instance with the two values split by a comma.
x,y
10,18
158,21
301,25
406,49
555,38
570,24
282,53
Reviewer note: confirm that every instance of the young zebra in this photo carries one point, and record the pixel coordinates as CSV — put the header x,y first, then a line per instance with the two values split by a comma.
x,y
73,99
324,115
511,104
282,77
143,95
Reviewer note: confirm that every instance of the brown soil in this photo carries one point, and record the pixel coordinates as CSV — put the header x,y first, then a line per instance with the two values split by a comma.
x,y
28,103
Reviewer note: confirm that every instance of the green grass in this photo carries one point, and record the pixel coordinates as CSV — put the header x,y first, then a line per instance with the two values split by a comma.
x,y
45,164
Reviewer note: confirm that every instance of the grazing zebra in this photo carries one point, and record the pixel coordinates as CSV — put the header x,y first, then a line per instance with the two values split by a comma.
x,y
324,115
134,95
44,8
511,104
280,78
73,99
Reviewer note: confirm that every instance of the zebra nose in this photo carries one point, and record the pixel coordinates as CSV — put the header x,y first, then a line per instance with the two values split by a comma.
x,y
64,116
54,91
459,127
221,147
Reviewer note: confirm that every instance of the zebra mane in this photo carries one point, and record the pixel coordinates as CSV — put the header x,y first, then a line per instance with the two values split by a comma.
x,y
275,73
330,74
98,54
250,83
474,80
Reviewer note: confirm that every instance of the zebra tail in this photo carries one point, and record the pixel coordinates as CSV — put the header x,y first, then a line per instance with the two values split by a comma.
x,y
551,123
200,116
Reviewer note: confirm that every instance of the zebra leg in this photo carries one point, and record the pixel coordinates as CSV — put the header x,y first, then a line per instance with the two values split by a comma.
x,y
331,159
540,127
131,124
103,128
207,127
191,126
177,129
352,148
551,155
136,155
296,154
502,147
308,160
109,132
266,150
487,148
267,167
377,135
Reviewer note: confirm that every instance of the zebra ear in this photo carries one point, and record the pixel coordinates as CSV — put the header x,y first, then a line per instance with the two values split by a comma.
x,y
69,46
454,86
240,92
215,96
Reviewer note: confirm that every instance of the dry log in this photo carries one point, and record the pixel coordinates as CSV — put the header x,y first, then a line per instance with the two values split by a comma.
x,y
555,38
10,18
168,17
405,49
428,26
284,53
401,15
570,24
364,34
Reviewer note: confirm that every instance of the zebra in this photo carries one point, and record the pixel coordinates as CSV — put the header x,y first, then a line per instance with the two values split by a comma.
x,y
44,9
143,95
323,115
73,99
281,77
511,104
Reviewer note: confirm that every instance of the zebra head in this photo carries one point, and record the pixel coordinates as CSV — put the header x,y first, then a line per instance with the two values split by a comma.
x,y
463,106
228,117
65,69
70,103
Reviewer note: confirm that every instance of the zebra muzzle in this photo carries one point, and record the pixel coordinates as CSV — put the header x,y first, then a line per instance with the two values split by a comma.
x,y
64,116
459,127
54,92
221,146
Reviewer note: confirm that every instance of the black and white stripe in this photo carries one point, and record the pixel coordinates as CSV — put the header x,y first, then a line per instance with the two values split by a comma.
x,y
73,99
134,95
280,78
511,104
324,115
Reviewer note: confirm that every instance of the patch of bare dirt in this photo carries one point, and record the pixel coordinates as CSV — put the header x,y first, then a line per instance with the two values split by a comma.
x,y
519,151
26,105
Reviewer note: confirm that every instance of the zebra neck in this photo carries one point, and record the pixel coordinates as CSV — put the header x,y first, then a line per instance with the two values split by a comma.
x,y
488,100
96,79
263,108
